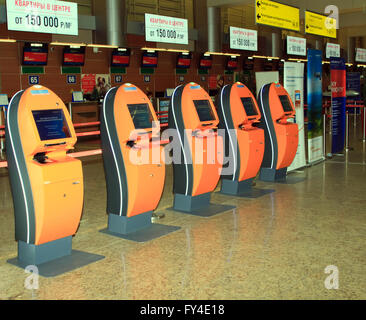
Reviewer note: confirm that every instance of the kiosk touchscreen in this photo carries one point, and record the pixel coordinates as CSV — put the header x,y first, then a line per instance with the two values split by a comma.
x,y
244,142
196,173
46,183
281,136
135,183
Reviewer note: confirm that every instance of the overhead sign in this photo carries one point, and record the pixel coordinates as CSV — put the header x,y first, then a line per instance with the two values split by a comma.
x,y
360,55
243,39
48,16
296,46
333,50
320,25
166,29
275,14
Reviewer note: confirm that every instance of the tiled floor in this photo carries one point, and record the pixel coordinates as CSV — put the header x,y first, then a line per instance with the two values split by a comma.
x,y
274,247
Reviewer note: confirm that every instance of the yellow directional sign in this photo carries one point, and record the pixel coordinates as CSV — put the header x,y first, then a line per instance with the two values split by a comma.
x,y
320,25
278,15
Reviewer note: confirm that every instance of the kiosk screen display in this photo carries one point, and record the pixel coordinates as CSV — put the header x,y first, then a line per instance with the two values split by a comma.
x,y
141,115
249,107
286,105
204,110
51,124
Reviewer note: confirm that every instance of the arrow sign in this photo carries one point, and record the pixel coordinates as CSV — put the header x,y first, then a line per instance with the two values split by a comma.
x,y
278,15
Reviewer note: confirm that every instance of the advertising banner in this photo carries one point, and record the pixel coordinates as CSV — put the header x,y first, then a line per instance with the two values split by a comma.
x,y
243,39
296,46
338,85
315,106
353,83
294,84
49,16
166,29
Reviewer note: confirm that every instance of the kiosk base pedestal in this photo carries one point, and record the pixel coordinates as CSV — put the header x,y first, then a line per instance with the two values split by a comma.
x,y
242,189
198,205
53,258
273,175
138,228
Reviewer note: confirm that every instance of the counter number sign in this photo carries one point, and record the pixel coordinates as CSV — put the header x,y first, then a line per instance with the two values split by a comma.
x,y
33,80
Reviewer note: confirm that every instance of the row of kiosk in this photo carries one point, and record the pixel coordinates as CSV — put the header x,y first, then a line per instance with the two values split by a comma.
x,y
47,184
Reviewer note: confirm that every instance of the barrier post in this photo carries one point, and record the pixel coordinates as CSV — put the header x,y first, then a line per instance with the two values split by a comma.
x,y
324,135
364,125
347,132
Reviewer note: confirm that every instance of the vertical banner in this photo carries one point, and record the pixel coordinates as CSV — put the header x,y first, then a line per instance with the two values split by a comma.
x,y
353,83
294,84
315,106
338,85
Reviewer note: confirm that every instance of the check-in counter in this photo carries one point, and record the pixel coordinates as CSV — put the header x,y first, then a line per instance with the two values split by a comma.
x,y
85,112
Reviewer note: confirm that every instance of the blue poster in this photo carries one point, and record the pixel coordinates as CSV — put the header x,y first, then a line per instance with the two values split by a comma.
x,y
354,84
338,85
315,105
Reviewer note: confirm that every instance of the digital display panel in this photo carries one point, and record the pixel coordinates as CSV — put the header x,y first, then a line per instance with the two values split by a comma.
x,y
149,60
120,58
184,60
36,56
249,107
286,105
232,64
206,63
141,115
74,57
204,110
164,107
51,124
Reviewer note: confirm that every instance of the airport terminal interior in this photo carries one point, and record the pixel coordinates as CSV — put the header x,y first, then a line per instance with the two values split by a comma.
x,y
182,150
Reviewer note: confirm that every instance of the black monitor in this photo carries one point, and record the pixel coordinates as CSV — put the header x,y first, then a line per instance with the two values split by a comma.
x,y
149,60
121,58
73,56
51,124
204,111
141,115
249,107
35,54
286,105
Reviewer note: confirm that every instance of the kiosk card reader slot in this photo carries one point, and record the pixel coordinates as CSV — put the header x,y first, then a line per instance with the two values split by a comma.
x,y
196,174
281,136
244,142
47,184
134,181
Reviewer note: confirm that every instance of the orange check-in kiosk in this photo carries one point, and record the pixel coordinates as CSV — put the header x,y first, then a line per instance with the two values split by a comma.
x,y
244,142
134,181
281,136
197,171
46,183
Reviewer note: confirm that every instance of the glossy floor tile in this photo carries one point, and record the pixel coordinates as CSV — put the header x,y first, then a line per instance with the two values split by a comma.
x,y
274,247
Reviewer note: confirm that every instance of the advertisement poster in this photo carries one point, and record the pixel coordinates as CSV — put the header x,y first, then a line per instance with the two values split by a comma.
x,y
99,83
45,16
353,83
338,85
294,84
265,77
315,106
